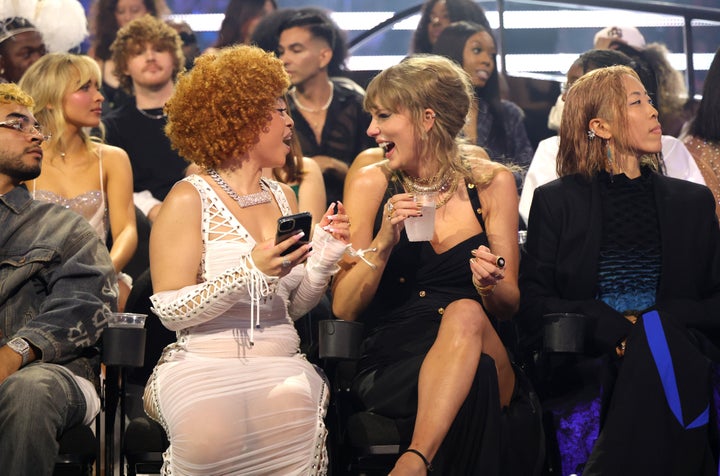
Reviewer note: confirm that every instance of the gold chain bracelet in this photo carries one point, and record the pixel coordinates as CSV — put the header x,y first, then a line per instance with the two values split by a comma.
x,y
483,291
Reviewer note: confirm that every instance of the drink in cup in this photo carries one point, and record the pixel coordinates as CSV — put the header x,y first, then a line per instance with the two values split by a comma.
x,y
422,228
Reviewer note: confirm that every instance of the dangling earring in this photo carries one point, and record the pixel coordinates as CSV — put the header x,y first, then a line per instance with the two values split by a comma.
x,y
609,157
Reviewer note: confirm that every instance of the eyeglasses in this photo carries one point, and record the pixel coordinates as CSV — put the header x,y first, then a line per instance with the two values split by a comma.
x,y
23,124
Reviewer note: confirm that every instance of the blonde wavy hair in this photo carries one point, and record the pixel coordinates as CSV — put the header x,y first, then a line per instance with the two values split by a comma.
x,y
222,105
426,81
49,80
597,94
11,93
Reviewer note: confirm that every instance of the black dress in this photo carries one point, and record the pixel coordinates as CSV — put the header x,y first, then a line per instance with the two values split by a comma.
x,y
402,323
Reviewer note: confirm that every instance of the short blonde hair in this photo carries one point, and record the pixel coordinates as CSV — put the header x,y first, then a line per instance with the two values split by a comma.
x,y
11,93
223,103
420,82
597,94
48,80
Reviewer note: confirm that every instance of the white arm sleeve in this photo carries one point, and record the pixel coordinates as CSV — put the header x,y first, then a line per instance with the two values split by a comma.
x,y
319,267
193,305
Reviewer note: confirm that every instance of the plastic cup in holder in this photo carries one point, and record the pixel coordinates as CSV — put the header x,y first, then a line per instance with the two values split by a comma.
x,y
124,340
126,319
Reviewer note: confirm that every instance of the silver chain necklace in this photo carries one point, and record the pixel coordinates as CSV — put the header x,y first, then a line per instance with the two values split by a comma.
x,y
150,116
244,201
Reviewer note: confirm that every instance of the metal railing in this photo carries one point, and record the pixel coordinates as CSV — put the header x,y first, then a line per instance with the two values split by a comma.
x,y
688,13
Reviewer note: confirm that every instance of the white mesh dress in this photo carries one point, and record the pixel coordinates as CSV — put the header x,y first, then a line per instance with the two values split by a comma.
x,y
237,398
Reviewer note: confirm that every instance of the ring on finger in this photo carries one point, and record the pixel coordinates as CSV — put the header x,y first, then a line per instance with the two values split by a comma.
x,y
390,207
285,263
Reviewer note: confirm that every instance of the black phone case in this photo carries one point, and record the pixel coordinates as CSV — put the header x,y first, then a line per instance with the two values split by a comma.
x,y
289,225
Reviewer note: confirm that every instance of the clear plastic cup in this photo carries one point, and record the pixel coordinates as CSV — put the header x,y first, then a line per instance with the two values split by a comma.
x,y
126,319
422,228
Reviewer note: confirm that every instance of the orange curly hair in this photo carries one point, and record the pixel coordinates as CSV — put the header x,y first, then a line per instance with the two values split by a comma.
x,y
223,103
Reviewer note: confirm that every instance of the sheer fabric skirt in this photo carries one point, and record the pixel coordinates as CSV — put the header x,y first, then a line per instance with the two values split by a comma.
x,y
242,415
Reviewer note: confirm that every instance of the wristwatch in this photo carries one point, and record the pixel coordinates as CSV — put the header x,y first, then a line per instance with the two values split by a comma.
x,y
20,346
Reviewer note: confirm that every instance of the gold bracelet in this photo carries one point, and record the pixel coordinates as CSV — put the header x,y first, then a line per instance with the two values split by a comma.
x,y
483,291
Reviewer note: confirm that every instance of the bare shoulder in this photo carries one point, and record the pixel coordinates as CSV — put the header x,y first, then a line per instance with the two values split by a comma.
x,y
486,173
112,153
310,166
369,171
182,194
368,157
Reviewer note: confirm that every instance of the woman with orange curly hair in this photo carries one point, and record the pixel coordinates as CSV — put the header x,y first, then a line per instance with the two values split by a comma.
x,y
234,394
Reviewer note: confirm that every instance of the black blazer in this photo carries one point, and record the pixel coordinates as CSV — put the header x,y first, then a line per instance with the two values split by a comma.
x,y
559,268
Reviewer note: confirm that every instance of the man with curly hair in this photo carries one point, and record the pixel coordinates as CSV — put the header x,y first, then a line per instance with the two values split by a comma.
x,y
58,289
148,57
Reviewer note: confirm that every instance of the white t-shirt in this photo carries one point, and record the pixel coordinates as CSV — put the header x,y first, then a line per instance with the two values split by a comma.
x,y
678,164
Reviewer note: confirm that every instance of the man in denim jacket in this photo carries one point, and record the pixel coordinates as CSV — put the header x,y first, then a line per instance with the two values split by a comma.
x,y
57,288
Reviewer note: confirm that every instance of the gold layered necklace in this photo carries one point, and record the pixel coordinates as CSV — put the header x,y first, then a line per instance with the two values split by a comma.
x,y
443,183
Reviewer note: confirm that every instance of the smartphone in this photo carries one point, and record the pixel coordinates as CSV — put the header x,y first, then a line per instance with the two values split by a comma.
x,y
289,225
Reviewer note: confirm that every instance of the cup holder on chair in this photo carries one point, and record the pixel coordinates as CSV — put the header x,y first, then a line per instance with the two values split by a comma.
x,y
565,332
340,339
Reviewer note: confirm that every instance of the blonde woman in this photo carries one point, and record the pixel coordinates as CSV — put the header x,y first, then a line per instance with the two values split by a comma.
x,y
92,178
429,306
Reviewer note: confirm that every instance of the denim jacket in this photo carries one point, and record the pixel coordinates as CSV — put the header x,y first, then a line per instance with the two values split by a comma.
x,y
57,283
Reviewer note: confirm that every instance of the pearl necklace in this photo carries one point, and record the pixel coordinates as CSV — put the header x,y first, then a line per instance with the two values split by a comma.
x,y
151,116
302,107
244,201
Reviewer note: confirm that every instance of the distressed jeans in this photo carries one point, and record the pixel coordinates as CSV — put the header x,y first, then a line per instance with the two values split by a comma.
x,y
37,404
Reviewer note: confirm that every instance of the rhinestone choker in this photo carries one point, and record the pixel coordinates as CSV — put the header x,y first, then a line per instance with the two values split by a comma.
x,y
243,200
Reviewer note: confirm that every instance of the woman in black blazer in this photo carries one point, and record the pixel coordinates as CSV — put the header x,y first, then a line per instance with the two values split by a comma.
x,y
639,255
